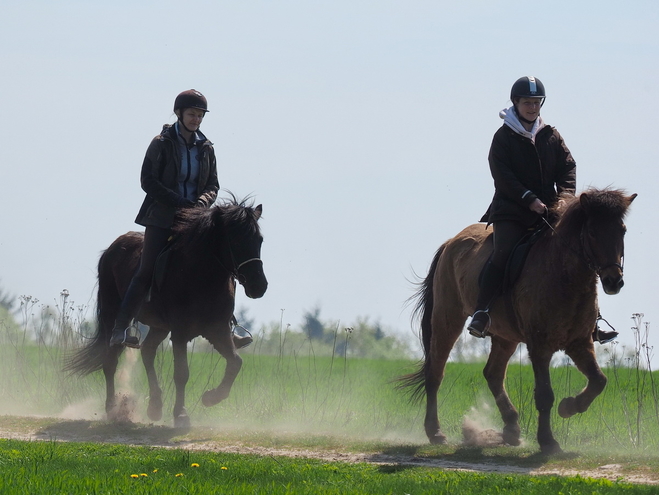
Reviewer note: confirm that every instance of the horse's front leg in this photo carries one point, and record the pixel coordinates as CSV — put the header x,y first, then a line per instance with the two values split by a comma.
x,y
583,355
544,399
223,343
149,349
181,376
495,374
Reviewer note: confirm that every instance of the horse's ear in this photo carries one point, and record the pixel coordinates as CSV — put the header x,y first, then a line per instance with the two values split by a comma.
x,y
632,198
584,200
259,211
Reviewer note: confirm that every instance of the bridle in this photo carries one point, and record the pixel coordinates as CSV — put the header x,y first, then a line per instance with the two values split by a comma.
x,y
235,270
586,254
590,259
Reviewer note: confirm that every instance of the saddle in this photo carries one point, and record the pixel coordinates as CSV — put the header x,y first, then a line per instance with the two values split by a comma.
x,y
519,254
160,270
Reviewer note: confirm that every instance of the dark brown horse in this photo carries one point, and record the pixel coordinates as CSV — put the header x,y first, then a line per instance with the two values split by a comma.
x,y
210,249
551,307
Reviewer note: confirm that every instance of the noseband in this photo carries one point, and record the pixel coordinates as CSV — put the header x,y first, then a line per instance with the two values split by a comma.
x,y
235,270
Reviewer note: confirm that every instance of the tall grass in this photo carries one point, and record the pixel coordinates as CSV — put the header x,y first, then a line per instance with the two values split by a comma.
x,y
292,387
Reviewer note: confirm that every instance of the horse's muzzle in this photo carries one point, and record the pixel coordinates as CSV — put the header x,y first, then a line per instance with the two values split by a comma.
x,y
612,283
256,289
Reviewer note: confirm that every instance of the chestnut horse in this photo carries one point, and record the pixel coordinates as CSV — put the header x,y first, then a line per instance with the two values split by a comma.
x,y
552,306
210,249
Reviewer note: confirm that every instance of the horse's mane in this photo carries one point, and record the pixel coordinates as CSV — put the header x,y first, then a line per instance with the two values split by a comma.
x,y
571,211
198,227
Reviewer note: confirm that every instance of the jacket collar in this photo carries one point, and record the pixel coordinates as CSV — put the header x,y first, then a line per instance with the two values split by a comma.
x,y
510,119
169,132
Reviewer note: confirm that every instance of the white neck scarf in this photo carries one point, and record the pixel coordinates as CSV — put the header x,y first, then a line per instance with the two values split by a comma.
x,y
510,119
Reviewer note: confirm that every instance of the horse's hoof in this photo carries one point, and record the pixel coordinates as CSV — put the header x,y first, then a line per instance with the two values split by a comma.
x,y
510,436
437,439
182,421
552,448
207,398
154,410
213,397
567,408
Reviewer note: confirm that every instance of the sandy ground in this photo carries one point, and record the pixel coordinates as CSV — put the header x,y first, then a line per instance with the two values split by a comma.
x,y
161,436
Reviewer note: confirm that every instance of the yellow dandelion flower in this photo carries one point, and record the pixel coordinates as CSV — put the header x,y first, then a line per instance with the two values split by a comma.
x,y
179,475
224,467
134,476
144,474
155,470
194,464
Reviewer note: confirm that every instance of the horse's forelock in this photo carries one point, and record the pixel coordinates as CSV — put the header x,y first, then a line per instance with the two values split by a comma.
x,y
614,202
239,216
606,203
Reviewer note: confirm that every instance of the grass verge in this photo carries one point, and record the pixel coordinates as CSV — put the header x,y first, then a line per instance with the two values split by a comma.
x,y
82,468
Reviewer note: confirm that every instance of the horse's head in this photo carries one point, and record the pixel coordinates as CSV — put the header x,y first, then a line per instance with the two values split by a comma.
x,y
244,239
603,234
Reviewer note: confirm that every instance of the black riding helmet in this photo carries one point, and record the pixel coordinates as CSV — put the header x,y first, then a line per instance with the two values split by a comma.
x,y
527,87
191,99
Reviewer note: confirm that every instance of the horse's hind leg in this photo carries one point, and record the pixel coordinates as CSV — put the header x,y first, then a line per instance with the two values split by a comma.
x,y
224,345
149,349
444,336
495,374
110,364
583,355
181,376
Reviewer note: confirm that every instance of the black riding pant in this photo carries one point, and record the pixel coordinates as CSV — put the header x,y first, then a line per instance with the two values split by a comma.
x,y
155,239
506,235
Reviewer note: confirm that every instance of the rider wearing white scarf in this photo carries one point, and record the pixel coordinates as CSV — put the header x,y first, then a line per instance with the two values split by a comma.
x,y
509,116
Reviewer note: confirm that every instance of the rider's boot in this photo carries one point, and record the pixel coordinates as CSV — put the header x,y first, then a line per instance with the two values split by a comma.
x,y
241,342
121,333
489,288
604,336
121,336
480,322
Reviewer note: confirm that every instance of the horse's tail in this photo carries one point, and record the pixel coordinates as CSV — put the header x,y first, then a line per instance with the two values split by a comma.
x,y
423,308
91,357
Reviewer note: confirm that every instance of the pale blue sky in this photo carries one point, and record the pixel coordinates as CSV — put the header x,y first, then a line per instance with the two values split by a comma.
x,y
362,126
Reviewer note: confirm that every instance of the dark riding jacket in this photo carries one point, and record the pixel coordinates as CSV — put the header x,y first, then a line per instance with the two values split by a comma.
x,y
523,171
159,177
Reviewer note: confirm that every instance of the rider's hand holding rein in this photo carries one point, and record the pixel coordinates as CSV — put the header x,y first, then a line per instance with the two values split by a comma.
x,y
538,206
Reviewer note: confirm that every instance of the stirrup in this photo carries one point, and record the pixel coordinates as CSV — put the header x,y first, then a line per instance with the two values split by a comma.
x,y
604,336
125,338
475,330
240,335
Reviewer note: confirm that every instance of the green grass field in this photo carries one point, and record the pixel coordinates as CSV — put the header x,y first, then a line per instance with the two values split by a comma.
x,y
337,396
85,468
